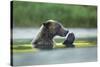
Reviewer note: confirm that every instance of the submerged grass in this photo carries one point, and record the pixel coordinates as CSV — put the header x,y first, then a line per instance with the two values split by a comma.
x,y
28,47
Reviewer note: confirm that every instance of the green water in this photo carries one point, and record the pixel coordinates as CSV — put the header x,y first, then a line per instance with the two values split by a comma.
x,y
25,44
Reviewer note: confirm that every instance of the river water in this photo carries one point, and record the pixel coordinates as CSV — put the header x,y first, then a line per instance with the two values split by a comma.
x,y
55,56
29,33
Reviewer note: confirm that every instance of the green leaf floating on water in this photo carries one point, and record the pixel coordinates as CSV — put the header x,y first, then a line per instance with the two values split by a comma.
x,y
29,48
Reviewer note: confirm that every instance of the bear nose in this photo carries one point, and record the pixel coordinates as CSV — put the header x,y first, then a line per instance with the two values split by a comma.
x,y
66,32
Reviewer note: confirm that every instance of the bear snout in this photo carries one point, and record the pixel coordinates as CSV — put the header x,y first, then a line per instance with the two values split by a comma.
x,y
66,32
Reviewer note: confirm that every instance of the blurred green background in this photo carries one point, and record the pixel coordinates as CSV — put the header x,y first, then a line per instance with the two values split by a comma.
x,y
32,14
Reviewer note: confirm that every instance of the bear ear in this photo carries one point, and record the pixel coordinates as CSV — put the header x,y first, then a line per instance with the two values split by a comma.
x,y
46,24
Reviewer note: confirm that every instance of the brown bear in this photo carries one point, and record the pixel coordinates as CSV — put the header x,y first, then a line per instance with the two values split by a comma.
x,y
48,30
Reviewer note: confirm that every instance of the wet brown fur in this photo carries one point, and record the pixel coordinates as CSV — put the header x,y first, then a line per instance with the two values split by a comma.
x,y
49,29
